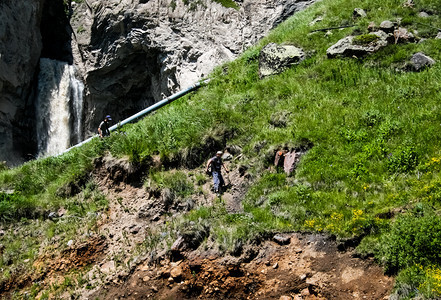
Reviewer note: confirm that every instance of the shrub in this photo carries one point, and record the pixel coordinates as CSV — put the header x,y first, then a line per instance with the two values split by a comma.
x,y
412,240
403,160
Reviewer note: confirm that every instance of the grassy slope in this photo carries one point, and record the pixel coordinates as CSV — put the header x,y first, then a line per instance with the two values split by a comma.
x,y
375,130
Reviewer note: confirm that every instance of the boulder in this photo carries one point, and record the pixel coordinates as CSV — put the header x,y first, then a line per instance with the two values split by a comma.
x,y
438,36
275,58
420,61
358,45
387,26
281,240
358,13
423,14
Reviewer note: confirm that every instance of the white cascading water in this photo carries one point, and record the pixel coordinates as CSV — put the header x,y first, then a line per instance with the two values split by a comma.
x,y
59,92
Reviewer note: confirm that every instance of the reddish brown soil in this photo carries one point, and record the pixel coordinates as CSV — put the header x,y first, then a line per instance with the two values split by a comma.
x,y
309,267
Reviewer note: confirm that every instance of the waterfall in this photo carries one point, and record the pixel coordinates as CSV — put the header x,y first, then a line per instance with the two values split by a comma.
x,y
59,107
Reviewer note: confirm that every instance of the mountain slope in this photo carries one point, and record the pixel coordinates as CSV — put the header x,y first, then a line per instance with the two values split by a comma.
x,y
369,175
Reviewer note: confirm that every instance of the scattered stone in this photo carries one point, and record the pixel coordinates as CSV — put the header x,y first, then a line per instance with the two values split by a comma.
x,y
146,278
108,267
176,273
134,229
438,36
423,14
52,215
61,212
303,277
27,260
305,292
387,26
285,298
349,47
420,61
408,3
276,265
402,35
154,288
359,13
227,156
316,20
275,58
281,240
170,280
372,27
2,232
70,243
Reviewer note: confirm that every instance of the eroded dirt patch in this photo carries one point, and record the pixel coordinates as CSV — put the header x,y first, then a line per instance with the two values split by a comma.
x,y
309,267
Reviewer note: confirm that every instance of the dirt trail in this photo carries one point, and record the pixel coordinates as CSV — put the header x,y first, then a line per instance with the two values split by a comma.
x,y
309,266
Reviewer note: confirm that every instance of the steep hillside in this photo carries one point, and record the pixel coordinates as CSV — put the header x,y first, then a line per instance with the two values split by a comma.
x,y
133,215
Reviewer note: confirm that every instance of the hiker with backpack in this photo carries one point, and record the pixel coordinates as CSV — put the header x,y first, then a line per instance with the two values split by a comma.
x,y
216,165
103,129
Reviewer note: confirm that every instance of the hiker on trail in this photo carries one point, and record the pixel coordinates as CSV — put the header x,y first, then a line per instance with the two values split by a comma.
x,y
103,129
216,164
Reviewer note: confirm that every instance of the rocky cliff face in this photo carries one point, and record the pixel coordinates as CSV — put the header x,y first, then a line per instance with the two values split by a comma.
x,y
132,53
20,49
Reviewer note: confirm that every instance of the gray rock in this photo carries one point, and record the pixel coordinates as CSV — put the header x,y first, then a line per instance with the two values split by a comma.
x,y
358,13
281,240
275,58
227,156
70,243
387,26
423,14
420,61
347,48
438,36
52,215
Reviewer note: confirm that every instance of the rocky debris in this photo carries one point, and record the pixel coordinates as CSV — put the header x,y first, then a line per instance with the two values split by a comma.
x,y
351,46
438,36
359,13
108,267
227,156
409,3
134,229
402,35
275,58
387,26
327,274
420,61
176,273
281,240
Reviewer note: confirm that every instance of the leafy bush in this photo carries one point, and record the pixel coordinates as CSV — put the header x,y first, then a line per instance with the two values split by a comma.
x,y
403,160
412,240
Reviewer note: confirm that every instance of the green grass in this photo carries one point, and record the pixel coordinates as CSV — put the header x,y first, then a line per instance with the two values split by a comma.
x,y
374,130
